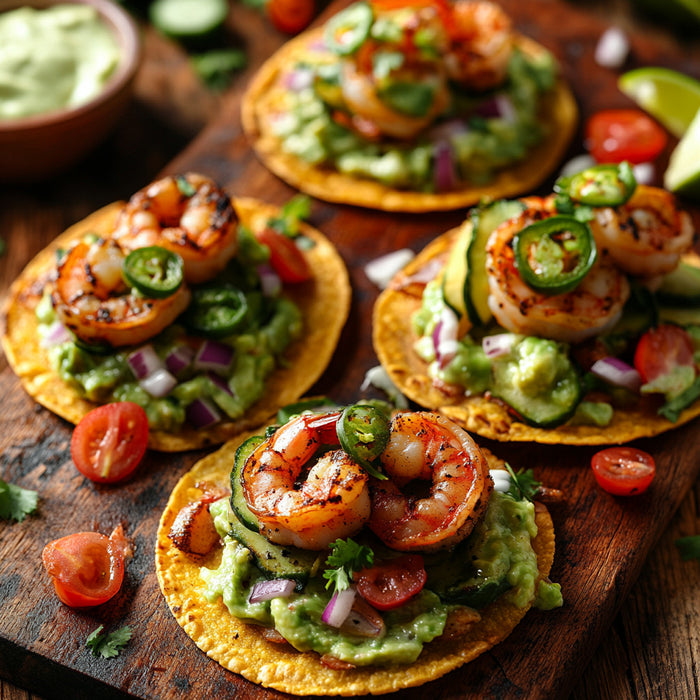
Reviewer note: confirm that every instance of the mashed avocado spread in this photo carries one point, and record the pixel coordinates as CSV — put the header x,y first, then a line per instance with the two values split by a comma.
x,y
497,559
53,58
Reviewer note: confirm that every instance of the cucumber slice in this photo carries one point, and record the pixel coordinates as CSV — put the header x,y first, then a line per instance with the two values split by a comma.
x,y
681,317
188,19
274,560
238,502
465,283
681,287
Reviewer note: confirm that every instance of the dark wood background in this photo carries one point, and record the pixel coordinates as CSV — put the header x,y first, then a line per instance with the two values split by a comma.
x,y
629,628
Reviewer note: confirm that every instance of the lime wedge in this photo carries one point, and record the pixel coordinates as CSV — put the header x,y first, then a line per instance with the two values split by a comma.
x,y
683,173
671,97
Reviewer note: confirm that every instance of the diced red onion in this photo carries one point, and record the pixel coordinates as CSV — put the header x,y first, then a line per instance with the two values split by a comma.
x,y
144,362
577,164
644,173
445,174
220,382
612,48
381,270
269,280
424,274
498,345
446,130
158,383
299,79
617,372
339,607
202,413
179,358
274,588
213,355
498,106
56,334
360,624
445,337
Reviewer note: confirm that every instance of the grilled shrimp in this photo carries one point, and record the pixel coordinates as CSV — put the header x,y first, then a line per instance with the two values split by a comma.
x,y
481,46
429,448
187,214
91,299
647,235
333,499
593,307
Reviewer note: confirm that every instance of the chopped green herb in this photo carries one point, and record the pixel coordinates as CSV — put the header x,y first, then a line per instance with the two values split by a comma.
x,y
523,485
346,557
108,644
689,547
16,502
295,210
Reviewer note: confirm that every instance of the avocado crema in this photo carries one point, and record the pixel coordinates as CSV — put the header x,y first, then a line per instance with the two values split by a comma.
x,y
271,323
482,132
497,559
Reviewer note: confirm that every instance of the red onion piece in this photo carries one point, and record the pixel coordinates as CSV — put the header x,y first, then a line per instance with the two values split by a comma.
x,y
612,48
381,270
158,383
446,130
202,413
422,275
617,372
144,362
644,173
445,173
179,358
299,79
498,345
213,355
339,607
220,382
445,337
274,588
269,280
56,334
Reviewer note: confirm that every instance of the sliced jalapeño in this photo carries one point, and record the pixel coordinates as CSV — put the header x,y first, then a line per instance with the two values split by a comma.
x,y
155,272
363,432
555,254
216,312
346,31
607,185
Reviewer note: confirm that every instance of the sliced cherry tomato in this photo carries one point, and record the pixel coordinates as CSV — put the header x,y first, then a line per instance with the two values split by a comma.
x,y
623,471
662,349
615,135
86,568
290,16
391,583
110,441
286,259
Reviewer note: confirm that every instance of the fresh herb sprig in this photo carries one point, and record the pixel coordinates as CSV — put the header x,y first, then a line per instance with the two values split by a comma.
x,y
346,557
108,644
15,502
523,485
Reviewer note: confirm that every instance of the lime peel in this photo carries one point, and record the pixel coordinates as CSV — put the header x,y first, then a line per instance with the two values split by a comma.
x,y
683,173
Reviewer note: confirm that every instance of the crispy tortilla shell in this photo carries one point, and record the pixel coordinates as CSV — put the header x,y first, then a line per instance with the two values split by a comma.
x,y
558,115
324,302
241,647
393,340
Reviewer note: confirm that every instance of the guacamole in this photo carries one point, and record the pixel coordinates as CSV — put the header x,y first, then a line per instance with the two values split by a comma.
x,y
497,555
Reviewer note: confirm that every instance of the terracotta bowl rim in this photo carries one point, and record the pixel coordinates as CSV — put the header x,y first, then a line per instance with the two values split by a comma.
x,y
128,38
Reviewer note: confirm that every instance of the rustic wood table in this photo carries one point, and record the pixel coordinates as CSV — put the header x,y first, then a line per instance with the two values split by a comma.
x,y
640,635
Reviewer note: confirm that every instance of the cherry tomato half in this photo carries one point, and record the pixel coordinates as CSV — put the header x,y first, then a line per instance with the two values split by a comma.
x,y
391,583
615,135
290,16
286,259
662,349
623,471
109,442
86,568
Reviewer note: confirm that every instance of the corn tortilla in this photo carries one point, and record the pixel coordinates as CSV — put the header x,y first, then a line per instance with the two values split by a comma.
x,y
324,302
241,648
393,340
558,116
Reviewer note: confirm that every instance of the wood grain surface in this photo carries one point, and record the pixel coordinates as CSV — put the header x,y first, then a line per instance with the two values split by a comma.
x,y
627,593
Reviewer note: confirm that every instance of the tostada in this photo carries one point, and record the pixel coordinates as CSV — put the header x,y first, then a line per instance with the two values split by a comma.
x,y
573,318
350,552
411,106
209,312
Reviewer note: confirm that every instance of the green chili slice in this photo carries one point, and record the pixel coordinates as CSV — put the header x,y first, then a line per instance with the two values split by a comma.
x,y
155,272
216,312
608,185
363,432
555,254
346,31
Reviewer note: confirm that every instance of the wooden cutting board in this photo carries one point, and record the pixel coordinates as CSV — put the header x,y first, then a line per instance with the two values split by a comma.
x,y
602,542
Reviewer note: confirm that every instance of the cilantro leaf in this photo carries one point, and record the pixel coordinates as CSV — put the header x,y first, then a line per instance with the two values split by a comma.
x,y
297,209
523,485
346,557
16,502
689,547
109,644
